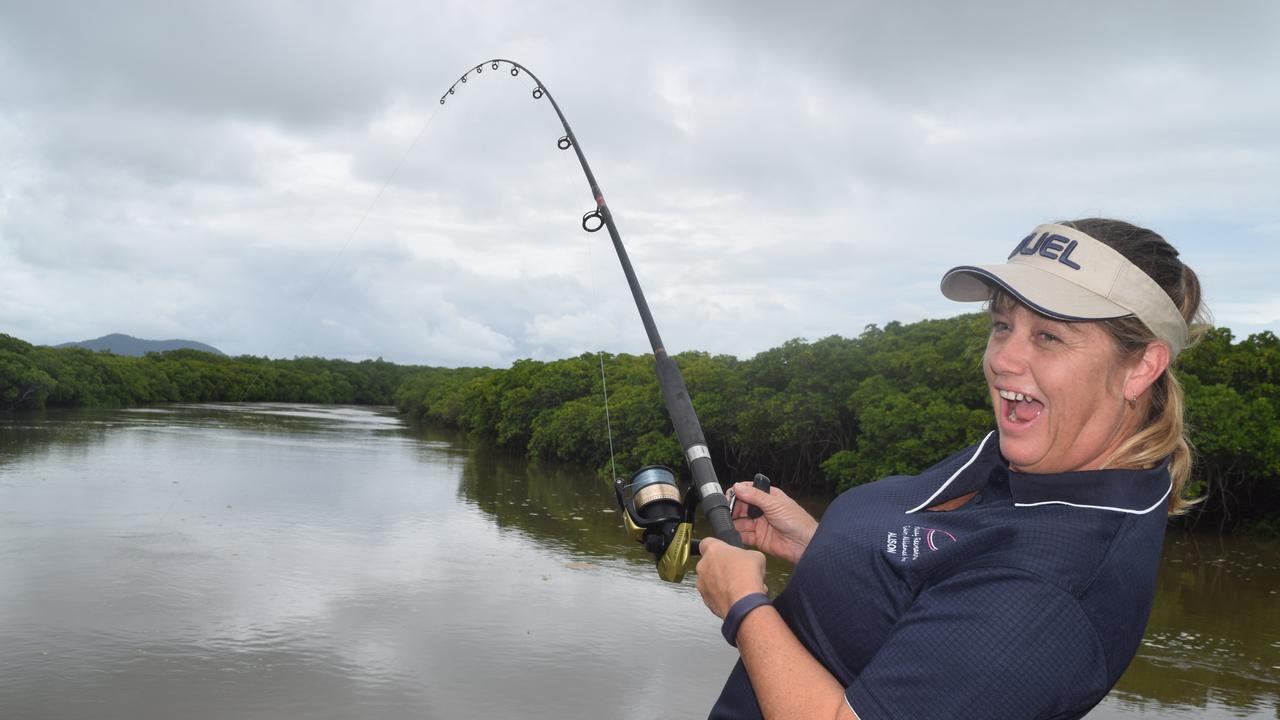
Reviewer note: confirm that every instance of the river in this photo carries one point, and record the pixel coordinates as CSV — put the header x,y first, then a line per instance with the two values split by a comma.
x,y
288,561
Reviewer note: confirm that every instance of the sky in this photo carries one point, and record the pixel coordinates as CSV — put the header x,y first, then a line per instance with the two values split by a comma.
x,y
279,178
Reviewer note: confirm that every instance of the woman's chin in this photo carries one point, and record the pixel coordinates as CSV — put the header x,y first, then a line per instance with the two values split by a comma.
x,y
1020,453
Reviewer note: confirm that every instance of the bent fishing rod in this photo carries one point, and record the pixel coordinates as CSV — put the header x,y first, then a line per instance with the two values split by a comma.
x,y
653,509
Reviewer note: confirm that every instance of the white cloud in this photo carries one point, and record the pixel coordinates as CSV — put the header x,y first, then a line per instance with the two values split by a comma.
x,y
211,172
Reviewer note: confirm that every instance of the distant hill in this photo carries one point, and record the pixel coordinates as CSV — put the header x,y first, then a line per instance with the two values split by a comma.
x,y
126,345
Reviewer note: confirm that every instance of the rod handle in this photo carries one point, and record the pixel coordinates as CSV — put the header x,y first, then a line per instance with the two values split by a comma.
x,y
722,525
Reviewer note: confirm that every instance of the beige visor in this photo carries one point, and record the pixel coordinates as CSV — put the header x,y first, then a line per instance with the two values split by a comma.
x,y
1066,274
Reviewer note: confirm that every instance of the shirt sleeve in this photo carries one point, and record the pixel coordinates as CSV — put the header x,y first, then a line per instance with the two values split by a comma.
x,y
994,643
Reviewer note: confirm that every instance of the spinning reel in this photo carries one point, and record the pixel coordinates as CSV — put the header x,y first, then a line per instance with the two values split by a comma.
x,y
660,517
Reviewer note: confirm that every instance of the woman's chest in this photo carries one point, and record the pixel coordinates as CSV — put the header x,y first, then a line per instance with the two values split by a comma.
x,y
869,561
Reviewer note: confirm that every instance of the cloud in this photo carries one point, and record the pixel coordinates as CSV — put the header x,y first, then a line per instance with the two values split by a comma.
x,y
281,179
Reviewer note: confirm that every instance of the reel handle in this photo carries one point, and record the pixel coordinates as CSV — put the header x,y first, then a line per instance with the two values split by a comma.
x,y
761,483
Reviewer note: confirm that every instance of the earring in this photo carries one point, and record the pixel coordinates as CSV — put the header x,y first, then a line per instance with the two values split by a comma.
x,y
1133,402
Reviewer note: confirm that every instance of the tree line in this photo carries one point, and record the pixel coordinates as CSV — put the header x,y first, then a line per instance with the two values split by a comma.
x,y
34,376
838,412
826,414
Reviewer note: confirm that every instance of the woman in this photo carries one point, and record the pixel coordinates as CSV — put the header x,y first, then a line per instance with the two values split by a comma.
x,y
1013,579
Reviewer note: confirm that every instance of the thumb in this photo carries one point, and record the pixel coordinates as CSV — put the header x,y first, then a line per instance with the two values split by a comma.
x,y
708,543
748,492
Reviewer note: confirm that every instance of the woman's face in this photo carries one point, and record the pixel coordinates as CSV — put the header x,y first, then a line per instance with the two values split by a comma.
x,y
1058,391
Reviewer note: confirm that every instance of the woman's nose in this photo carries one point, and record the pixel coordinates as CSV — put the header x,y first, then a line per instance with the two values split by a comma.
x,y
1007,356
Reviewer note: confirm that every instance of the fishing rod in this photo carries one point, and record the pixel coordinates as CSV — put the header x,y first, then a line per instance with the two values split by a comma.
x,y
654,511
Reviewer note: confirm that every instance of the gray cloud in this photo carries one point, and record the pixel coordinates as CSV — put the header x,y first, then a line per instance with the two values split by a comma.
x,y
279,178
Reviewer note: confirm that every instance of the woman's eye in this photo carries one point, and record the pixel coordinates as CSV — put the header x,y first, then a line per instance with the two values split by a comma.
x,y
999,326
1048,337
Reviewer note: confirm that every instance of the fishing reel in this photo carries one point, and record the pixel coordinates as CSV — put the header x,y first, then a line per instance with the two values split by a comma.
x,y
660,517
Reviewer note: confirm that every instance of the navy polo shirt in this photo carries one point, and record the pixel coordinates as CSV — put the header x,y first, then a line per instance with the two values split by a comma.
x,y
1027,602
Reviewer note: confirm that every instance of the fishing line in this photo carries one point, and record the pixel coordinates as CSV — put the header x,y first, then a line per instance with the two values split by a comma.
x,y
608,426
653,511
536,91
604,384
595,328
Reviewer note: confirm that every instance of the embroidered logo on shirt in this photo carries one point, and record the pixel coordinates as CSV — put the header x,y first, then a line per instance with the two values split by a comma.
x,y
906,544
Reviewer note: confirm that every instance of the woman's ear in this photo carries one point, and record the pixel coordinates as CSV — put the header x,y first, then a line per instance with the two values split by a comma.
x,y
1150,366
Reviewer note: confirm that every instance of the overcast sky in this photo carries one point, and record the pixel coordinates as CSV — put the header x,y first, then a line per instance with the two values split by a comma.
x,y
279,178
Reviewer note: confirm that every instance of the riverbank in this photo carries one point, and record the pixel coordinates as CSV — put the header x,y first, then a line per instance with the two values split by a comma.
x,y
821,415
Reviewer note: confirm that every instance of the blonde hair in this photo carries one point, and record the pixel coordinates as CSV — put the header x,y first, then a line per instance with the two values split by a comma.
x,y
1163,432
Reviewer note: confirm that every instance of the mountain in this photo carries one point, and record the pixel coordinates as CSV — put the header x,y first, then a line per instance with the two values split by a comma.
x,y
127,345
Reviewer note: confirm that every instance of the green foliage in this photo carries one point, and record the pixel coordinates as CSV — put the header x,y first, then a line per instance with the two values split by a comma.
x,y
34,377
839,409
1233,409
836,412
902,433
22,382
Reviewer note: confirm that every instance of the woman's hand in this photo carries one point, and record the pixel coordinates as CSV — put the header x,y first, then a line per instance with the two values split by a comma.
x,y
785,529
727,574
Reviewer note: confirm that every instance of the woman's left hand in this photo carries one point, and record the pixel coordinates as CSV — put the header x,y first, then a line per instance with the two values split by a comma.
x,y
726,574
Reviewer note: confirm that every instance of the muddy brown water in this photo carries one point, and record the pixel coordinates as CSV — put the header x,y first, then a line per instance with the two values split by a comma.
x,y
286,561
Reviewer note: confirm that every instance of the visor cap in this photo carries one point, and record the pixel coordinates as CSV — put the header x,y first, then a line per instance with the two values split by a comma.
x,y
1066,274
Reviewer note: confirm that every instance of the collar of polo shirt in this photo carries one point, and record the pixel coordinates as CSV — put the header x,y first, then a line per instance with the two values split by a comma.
x,y
1135,492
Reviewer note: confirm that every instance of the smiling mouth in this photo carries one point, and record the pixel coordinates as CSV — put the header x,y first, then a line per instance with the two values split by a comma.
x,y
1020,407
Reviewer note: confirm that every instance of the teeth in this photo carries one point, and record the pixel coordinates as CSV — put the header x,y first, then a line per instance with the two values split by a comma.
x,y
1015,396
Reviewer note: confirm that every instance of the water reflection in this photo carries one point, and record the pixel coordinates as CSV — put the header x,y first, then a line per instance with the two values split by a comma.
x,y
1213,641
567,509
564,509
213,562
297,562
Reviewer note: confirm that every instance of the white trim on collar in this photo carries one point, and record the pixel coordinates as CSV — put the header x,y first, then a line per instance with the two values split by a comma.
x,y
954,475
1158,503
